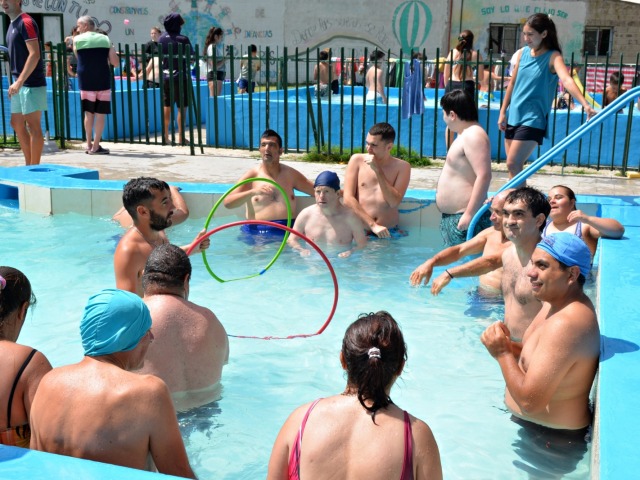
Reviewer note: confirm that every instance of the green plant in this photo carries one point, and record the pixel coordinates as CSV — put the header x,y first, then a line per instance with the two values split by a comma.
x,y
581,171
334,156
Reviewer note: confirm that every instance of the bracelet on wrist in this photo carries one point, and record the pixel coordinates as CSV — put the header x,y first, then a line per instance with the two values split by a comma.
x,y
449,273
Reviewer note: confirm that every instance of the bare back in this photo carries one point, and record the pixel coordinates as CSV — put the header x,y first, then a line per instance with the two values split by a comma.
x,y
340,441
375,80
520,306
98,411
130,258
189,350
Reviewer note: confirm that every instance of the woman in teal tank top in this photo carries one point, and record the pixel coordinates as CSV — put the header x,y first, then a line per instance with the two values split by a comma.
x,y
532,89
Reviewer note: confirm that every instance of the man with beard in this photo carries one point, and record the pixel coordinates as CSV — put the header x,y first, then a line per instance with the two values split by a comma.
x,y
148,201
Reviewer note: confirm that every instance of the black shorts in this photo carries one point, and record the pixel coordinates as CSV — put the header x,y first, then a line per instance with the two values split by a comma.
x,y
180,95
524,134
468,86
218,75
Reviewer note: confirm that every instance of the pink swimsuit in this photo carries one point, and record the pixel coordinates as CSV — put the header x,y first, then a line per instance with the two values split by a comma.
x,y
407,462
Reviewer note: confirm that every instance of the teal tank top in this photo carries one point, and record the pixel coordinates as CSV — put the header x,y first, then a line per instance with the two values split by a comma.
x,y
534,91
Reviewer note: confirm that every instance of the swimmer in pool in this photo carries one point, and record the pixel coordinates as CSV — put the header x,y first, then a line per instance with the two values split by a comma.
x,y
550,383
148,201
491,242
190,345
262,200
328,221
360,430
180,210
99,409
375,78
375,182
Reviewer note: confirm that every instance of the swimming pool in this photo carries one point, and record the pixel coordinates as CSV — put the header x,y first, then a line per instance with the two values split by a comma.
x,y
450,381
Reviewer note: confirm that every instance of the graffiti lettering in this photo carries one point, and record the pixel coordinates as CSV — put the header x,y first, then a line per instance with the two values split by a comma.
x,y
129,31
37,3
258,34
77,6
56,5
323,25
487,11
129,10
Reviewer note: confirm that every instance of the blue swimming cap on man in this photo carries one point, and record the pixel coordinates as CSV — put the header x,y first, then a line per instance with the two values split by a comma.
x,y
113,321
328,179
568,249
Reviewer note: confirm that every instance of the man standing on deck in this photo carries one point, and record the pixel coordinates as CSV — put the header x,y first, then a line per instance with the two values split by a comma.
x,y
28,92
262,200
148,202
190,344
99,409
466,174
375,182
548,386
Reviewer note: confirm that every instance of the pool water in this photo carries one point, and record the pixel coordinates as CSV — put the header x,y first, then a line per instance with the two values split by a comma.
x,y
450,381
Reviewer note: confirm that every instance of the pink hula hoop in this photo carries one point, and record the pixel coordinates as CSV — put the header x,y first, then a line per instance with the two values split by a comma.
x,y
310,242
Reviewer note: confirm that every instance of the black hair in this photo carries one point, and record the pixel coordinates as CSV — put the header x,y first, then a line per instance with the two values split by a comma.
x,y
372,373
13,295
167,267
541,22
376,56
581,277
570,193
385,130
140,190
617,78
465,47
535,200
272,133
210,38
460,102
324,55
253,48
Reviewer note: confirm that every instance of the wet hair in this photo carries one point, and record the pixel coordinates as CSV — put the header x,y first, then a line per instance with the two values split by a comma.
x,y
617,78
272,133
167,267
535,200
140,190
460,102
368,374
376,56
385,130
210,38
541,22
324,55
15,292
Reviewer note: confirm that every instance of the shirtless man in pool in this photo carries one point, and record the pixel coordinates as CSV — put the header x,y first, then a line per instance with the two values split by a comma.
x,y
264,201
375,182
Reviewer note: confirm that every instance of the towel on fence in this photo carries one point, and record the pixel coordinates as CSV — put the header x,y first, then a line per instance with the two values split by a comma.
x,y
412,93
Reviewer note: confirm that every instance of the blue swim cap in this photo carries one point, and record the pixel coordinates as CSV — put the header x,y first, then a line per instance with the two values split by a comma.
x,y
568,249
328,179
113,321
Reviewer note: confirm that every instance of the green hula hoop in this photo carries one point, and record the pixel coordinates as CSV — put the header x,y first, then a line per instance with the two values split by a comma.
x,y
284,239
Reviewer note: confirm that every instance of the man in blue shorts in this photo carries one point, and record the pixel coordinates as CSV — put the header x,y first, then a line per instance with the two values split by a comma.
x,y
28,92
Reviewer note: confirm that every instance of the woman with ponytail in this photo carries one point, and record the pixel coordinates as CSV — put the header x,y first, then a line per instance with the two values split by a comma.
x,y
357,433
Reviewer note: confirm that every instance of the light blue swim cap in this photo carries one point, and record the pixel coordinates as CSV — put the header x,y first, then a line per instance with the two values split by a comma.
x,y
568,249
113,321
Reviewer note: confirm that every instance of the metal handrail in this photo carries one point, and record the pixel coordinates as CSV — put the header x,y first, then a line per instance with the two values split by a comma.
x,y
562,145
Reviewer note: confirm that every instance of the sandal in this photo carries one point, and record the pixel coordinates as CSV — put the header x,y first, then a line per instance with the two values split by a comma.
x,y
100,151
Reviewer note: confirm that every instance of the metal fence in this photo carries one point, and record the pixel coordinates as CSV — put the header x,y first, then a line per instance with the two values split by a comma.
x,y
289,100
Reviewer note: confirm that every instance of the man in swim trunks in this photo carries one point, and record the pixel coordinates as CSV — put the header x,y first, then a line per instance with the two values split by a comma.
x,y
95,53
28,91
375,78
375,182
491,242
148,201
549,384
466,174
190,344
262,200
98,409
322,75
328,221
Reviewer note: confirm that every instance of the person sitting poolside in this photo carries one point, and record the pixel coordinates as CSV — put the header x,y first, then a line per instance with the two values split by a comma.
x,y
360,432
190,344
262,200
491,242
328,221
375,182
148,201
99,409
565,217
180,210
21,367
547,388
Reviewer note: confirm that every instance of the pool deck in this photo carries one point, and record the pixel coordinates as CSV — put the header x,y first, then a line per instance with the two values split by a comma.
x,y
615,453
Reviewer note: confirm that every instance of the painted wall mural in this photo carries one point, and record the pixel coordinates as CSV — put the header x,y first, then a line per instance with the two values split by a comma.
x,y
412,24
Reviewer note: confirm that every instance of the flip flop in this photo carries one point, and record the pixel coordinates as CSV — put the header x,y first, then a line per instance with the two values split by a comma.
x,y
100,151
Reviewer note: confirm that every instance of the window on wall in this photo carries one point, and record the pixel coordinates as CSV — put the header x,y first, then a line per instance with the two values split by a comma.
x,y
504,38
597,41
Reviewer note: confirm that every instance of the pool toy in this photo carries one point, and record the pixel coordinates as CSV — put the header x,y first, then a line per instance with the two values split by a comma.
x,y
587,97
215,207
310,242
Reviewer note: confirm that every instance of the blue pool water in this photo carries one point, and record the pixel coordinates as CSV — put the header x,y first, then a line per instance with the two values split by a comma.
x,y
450,381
